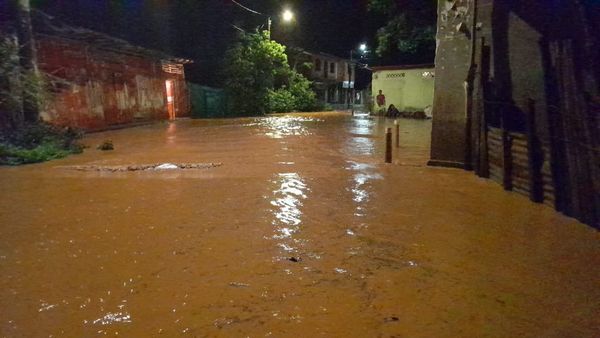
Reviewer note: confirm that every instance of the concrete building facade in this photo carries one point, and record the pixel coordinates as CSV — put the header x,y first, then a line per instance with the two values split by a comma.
x,y
408,87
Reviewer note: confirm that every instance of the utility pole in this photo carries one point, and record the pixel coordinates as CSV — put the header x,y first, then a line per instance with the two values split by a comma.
x,y
349,71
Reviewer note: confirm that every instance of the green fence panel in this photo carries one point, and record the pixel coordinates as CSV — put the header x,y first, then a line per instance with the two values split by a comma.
x,y
208,102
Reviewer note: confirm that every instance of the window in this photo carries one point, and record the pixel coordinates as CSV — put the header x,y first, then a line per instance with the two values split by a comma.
x,y
318,65
332,67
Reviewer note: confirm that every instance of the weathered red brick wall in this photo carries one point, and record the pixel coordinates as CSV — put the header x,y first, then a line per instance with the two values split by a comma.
x,y
95,88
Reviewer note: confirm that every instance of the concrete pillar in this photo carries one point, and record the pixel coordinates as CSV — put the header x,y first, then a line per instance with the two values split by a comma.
x,y
453,59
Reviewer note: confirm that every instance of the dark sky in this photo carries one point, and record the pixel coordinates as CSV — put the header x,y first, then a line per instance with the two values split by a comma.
x,y
202,29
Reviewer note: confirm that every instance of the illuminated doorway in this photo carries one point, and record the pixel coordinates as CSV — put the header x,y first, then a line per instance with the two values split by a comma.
x,y
170,99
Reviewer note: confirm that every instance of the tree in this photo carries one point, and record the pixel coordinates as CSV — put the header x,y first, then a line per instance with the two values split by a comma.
x,y
11,89
409,32
21,84
27,55
258,78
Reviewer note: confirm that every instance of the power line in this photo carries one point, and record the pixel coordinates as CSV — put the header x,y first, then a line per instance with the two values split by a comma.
x,y
246,8
238,28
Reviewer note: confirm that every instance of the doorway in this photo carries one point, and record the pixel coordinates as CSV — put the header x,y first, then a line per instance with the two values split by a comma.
x,y
170,99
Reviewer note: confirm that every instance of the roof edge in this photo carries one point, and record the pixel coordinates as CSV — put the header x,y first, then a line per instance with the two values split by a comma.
x,y
47,25
400,67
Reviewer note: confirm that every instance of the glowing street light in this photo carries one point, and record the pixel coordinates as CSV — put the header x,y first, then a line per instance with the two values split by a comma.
x,y
287,15
363,47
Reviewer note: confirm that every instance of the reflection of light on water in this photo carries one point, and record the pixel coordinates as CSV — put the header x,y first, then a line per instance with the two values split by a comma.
x,y
112,318
360,195
360,180
363,143
280,126
45,306
360,146
362,126
288,199
171,130
287,202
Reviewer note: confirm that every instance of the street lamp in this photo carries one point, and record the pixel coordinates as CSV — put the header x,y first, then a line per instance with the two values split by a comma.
x,y
287,16
362,48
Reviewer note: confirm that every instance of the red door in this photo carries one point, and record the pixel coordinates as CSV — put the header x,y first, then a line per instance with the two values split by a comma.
x,y
170,99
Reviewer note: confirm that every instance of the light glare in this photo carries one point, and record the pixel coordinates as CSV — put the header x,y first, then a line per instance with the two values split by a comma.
x,y
288,15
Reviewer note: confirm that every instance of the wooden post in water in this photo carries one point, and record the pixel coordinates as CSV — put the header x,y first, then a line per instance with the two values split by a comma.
x,y
507,160
388,146
397,133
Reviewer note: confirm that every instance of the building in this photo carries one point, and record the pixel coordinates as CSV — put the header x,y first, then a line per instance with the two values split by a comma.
x,y
408,87
335,79
517,98
99,81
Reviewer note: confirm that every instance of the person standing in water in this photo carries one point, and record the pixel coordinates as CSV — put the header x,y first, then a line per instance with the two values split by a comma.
x,y
380,101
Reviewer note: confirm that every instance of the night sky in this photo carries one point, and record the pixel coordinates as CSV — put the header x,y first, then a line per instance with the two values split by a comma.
x,y
202,29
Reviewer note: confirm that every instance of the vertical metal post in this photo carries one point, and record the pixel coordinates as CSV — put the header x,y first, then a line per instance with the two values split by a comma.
x,y
388,146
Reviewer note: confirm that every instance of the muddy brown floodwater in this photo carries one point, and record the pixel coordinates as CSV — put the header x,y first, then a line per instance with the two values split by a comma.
x,y
303,231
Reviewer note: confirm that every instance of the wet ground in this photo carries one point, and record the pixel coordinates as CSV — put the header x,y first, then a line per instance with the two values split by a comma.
x,y
302,232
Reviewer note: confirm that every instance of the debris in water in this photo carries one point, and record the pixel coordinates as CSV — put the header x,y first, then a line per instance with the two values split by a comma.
x,y
166,166
106,145
391,319
239,285
142,167
295,259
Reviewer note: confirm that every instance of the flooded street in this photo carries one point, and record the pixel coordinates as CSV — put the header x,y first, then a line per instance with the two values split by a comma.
x,y
302,231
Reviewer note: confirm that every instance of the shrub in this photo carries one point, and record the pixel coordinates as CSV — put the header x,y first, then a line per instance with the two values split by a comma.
x,y
37,143
280,101
303,96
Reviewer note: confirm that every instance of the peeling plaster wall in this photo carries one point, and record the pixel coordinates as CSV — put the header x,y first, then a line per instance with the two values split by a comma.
x,y
453,56
95,89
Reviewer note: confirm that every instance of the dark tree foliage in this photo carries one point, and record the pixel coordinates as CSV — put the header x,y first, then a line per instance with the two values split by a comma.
x,y
409,31
258,78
